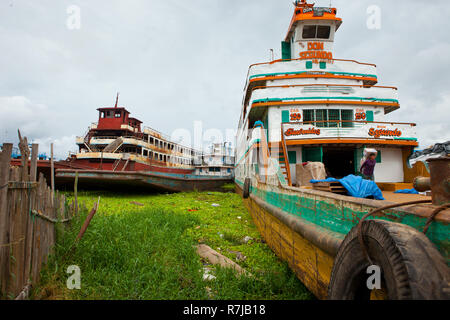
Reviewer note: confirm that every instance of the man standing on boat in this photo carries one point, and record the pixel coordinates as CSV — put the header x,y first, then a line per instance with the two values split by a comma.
x,y
368,167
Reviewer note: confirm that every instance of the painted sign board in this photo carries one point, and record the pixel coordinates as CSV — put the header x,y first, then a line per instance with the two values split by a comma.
x,y
295,131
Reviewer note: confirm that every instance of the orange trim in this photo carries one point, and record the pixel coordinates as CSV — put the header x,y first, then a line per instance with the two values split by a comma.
x,y
352,141
278,103
309,16
285,60
328,76
324,84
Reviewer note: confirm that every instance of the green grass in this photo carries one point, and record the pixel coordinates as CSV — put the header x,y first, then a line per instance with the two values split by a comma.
x,y
148,252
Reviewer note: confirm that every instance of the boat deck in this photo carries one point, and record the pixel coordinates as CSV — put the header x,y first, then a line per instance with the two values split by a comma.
x,y
403,197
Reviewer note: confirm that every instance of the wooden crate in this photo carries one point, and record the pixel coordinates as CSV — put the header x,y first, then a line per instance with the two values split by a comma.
x,y
333,187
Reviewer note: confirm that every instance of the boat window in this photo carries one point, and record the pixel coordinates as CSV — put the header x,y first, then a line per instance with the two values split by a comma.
x,y
308,115
323,32
327,118
118,115
316,32
347,115
309,32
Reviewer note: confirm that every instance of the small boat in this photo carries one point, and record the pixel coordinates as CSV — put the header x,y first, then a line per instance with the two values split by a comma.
x,y
116,152
311,108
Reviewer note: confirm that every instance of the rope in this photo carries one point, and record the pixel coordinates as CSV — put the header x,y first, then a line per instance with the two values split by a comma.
x,y
4,186
12,243
40,215
433,216
359,230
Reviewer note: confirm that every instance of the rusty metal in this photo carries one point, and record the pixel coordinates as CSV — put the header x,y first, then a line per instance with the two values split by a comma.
x,y
422,184
440,180
433,215
373,212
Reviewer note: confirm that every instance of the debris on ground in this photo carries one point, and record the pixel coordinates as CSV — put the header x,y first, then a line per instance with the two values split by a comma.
x,y
246,239
207,276
216,258
239,255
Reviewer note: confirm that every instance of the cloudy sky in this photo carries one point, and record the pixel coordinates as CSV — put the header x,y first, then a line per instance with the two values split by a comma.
x,y
175,62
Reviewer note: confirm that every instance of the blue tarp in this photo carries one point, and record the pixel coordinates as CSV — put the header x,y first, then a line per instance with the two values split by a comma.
x,y
357,186
410,191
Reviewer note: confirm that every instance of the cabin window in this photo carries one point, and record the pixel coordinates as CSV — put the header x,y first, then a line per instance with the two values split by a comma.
x,y
316,32
308,115
329,118
118,114
347,115
108,114
323,32
309,32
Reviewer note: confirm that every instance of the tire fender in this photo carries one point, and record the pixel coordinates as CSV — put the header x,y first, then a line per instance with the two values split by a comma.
x,y
411,266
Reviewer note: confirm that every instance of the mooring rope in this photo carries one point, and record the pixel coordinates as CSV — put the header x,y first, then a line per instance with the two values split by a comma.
x,y
433,216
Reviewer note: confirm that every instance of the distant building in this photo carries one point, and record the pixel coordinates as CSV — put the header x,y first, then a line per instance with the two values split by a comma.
x,y
219,161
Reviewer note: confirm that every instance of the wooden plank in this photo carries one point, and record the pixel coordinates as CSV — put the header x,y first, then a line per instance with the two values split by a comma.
x,y
5,159
16,236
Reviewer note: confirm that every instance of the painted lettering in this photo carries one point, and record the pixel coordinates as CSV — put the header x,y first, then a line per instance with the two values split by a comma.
x,y
384,133
302,132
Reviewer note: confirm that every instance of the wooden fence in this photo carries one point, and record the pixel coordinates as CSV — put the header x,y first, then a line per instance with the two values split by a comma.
x,y
29,214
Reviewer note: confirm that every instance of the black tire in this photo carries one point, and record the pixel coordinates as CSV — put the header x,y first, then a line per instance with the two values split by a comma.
x,y
246,191
411,266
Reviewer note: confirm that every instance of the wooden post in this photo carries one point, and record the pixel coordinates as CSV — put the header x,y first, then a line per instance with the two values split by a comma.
x,y
30,219
75,192
52,168
5,160
88,220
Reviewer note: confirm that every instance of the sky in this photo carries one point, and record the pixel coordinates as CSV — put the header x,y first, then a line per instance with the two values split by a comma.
x,y
180,64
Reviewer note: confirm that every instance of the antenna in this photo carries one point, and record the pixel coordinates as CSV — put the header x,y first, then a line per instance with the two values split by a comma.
x,y
117,100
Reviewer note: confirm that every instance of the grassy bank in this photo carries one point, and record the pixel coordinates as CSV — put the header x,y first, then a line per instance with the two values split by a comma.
x,y
143,247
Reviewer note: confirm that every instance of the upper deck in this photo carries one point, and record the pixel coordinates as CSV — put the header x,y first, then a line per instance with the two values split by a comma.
x,y
335,69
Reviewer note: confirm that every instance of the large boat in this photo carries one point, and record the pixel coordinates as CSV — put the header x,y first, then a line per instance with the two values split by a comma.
x,y
117,151
310,107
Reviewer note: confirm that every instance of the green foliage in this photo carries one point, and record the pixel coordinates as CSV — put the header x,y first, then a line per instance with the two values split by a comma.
x,y
148,252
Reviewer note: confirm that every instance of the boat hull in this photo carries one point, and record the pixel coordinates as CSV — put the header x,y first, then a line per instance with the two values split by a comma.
x,y
306,229
152,181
